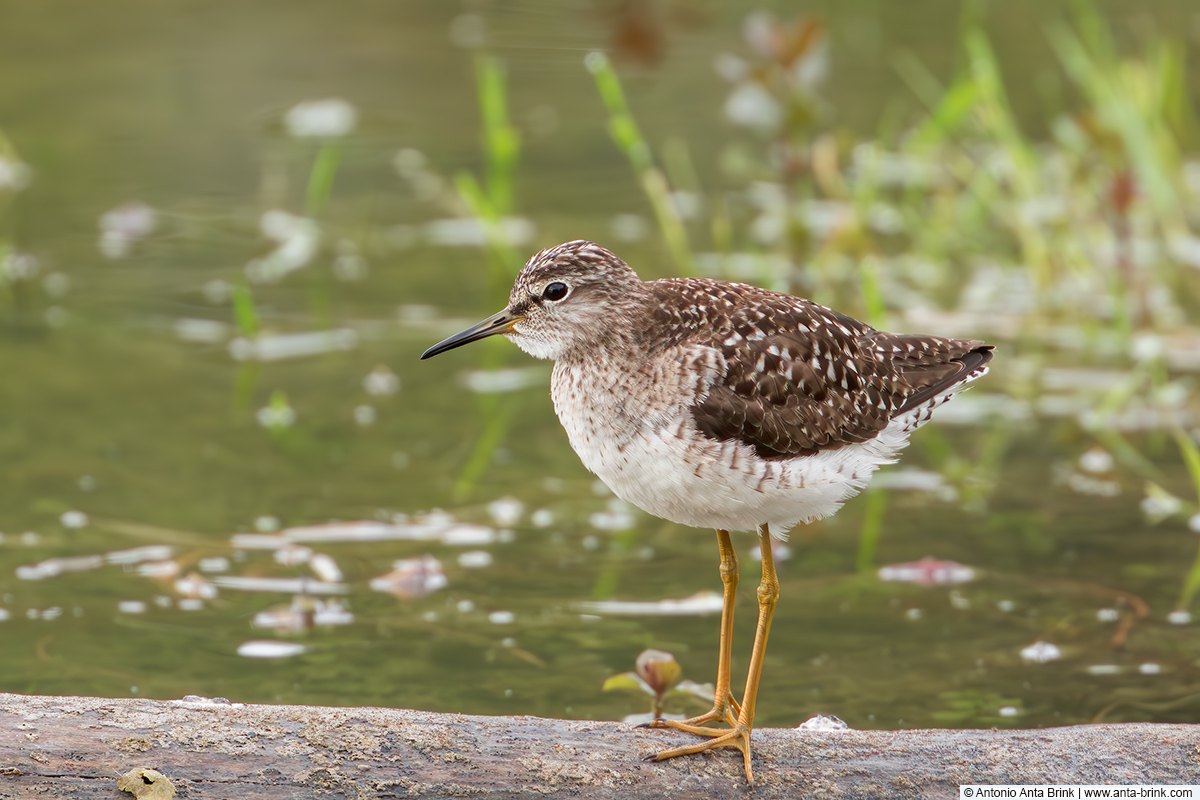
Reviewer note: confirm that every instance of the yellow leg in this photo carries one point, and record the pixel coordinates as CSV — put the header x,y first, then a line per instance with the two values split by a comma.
x,y
739,735
725,708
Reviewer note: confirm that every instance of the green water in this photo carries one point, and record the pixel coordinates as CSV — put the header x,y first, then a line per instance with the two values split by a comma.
x,y
156,438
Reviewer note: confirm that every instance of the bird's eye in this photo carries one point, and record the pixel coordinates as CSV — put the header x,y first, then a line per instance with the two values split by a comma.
x,y
554,291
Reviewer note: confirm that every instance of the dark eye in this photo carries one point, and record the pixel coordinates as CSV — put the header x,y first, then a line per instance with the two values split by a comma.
x,y
554,291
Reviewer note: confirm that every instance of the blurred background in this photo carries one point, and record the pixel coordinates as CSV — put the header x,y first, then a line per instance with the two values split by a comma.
x,y
229,229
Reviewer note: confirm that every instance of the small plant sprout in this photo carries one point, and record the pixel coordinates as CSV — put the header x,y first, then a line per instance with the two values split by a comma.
x,y
657,673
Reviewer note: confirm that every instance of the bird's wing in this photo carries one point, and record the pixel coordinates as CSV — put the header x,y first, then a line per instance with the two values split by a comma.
x,y
793,378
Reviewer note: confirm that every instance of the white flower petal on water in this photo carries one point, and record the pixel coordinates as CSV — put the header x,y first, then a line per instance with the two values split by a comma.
x,y
381,381
321,119
475,559
412,578
927,572
695,605
284,585
506,511
325,568
269,649
1041,653
73,519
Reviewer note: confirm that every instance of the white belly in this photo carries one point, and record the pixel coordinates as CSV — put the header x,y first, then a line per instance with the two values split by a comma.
x,y
658,461
710,484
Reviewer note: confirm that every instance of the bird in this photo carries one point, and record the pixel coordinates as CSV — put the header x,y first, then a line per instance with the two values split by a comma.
x,y
722,405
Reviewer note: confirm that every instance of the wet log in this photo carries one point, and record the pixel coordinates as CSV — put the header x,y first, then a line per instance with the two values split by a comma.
x,y
78,747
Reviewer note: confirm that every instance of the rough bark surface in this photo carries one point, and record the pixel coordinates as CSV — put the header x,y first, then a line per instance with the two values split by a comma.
x,y
77,747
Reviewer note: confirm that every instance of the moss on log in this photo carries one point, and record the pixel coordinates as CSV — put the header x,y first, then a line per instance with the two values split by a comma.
x,y
78,747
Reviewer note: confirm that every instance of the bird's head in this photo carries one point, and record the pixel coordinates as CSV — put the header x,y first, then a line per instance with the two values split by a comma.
x,y
566,298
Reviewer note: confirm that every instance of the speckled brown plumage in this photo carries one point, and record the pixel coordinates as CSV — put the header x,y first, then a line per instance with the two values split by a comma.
x,y
799,377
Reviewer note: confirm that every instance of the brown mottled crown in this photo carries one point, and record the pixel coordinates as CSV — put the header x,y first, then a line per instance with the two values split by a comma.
x,y
578,259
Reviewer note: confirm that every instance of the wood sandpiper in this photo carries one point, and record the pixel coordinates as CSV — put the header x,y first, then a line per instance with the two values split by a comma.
x,y
722,405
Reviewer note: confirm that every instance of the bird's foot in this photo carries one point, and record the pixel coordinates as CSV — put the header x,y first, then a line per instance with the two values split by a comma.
x,y
725,710
738,736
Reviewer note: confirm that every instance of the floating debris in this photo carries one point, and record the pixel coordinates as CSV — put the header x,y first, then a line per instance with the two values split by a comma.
x,y
15,266
911,479
136,555
501,617
412,578
48,614
1149,668
506,511
381,381
329,118
1103,669
266,523
822,722
501,381
302,614
270,649
276,415
927,572
704,602
629,227
1008,711
291,554
213,564
325,568
1096,460
201,331
1108,615
364,415
14,175
158,569
467,535
475,559
131,607
196,587
296,243
619,516
780,551
281,346
472,232
1159,504
123,227
1041,653
436,526
285,585
542,518
73,519
56,566
259,541
1180,617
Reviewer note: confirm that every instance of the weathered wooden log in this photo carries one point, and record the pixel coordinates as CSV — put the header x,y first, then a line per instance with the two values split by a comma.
x,y
77,747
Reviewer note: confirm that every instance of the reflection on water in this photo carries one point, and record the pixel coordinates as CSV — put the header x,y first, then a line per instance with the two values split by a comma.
x,y
226,473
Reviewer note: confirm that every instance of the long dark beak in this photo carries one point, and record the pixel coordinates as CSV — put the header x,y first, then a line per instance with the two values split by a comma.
x,y
497,323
